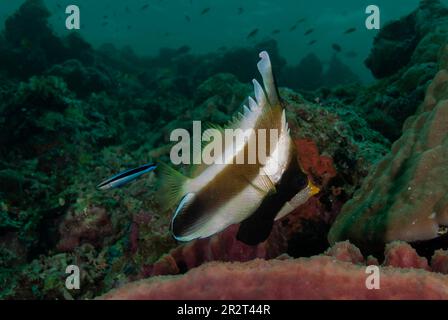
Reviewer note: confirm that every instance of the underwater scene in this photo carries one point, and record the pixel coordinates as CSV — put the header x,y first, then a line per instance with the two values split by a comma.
x,y
214,150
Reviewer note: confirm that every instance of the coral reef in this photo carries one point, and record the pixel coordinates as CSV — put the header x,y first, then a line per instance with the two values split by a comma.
x,y
402,255
80,79
439,261
90,226
338,133
338,73
405,55
339,274
307,75
310,74
71,115
404,197
415,38
221,247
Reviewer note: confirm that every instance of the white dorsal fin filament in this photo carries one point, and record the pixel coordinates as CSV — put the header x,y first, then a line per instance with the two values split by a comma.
x,y
285,126
259,94
265,69
252,104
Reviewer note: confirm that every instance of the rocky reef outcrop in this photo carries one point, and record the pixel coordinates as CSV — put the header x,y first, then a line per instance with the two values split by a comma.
x,y
405,57
415,38
311,74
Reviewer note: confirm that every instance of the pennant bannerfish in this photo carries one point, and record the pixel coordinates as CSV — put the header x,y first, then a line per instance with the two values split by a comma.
x,y
253,193
256,194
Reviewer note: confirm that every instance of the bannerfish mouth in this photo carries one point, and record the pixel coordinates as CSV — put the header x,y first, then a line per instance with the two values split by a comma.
x,y
442,230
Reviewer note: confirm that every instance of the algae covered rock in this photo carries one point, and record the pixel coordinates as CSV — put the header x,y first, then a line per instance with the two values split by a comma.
x,y
405,56
405,197
408,39
30,50
81,79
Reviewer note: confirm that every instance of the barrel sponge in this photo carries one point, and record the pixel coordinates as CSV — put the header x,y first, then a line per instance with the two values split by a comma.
x,y
340,273
406,196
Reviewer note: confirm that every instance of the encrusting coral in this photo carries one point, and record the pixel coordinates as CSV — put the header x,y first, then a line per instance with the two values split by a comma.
x,y
405,198
91,225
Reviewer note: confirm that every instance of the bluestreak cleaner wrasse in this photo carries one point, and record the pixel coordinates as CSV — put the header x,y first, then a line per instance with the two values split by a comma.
x,y
125,177
254,194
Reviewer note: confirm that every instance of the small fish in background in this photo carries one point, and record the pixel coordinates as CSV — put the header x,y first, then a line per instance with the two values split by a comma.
x,y
350,30
351,54
183,49
336,47
104,24
105,17
301,20
309,31
144,7
187,17
129,27
312,42
205,11
240,11
252,34
125,177
294,27
276,31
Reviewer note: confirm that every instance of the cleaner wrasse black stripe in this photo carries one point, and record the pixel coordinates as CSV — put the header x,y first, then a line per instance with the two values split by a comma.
x,y
126,177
